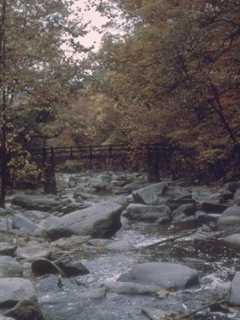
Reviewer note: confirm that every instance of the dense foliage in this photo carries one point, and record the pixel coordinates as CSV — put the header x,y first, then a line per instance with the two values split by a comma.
x,y
174,76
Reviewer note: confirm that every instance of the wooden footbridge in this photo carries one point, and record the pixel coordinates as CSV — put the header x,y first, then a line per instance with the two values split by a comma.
x,y
97,157
155,159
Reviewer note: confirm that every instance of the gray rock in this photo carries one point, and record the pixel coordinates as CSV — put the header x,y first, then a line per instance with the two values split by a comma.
x,y
235,290
212,207
13,290
5,318
5,224
151,194
44,203
164,275
72,268
33,202
185,210
233,240
142,212
237,197
26,310
232,186
7,249
230,219
101,220
23,224
9,267
33,252
64,267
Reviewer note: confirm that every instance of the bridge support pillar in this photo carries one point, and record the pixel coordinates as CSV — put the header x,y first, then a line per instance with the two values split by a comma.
x,y
49,176
153,169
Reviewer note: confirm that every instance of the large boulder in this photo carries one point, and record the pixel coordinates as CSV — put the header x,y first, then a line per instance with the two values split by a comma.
x,y
142,212
44,203
230,219
33,251
212,207
101,220
26,310
23,224
233,240
9,267
36,202
13,290
162,274
7,249
235,290
151,194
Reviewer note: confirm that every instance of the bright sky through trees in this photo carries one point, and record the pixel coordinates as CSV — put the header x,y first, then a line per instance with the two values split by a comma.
x,y
96,21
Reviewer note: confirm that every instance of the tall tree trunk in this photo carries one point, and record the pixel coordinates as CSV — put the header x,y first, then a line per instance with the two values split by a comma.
x,y
217,106
3,138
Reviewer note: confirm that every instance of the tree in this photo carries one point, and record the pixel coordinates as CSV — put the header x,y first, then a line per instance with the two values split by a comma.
x,y
180,60
36,74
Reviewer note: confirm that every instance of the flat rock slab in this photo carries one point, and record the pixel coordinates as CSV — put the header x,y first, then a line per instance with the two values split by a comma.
x,y
235,290
150,194
230,219
9,267
164,275
36,202
7,249
13,290
149,213
101,220
33,252
233,240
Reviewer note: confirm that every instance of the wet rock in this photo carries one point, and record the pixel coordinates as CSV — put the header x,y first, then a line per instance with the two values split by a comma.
x,y
33,252
23,224
5,224
13,290
51,228
36,202
142,212
185,210
44,203
212,207
101,220
230,219
233,240
71,268
42,267
232,186
26,310
64,267
7,249
150,194
164,275
237,197
235,290
9,267
131,288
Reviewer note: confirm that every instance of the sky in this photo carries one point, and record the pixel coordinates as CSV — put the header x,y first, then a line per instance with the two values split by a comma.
x,y
93,37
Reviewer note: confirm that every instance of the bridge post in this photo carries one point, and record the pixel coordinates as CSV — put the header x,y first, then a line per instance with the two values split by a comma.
x,y
50,185
153,169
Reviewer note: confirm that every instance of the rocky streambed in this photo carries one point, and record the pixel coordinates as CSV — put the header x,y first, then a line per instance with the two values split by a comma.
x,y
111,246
